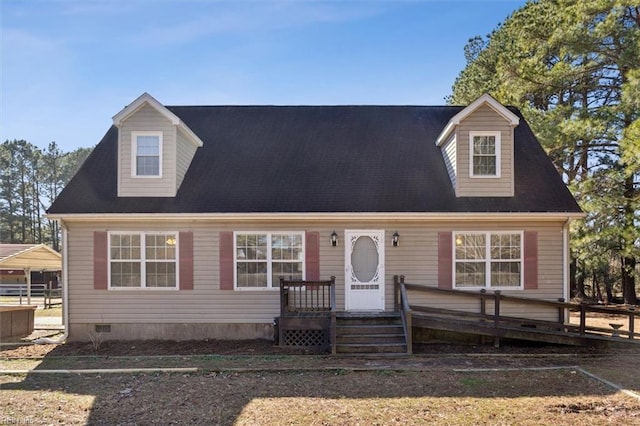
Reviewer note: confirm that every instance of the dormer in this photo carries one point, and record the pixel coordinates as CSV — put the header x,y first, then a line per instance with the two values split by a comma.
x,y
155,149
477,147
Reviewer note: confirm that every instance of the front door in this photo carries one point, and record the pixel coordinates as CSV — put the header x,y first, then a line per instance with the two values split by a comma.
x,y
364,260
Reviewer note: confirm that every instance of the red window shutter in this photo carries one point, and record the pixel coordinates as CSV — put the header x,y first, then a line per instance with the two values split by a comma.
x,y
530,260
445,261
100,260
226,260
312,256
185,241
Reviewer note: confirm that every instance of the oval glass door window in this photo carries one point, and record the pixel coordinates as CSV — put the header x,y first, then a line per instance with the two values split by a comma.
x,y
364,259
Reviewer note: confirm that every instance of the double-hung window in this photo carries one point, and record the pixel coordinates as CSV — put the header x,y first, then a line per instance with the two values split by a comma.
x,y
261,258
143,260
147,154
485,154
488,260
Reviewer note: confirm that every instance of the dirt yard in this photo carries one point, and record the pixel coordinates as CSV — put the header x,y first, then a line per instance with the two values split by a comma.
x,y
257,383
604,321
341,397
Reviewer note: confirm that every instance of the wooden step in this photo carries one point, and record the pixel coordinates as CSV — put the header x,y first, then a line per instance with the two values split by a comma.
x,y
380,319
370,338
371,348
377,333
369,329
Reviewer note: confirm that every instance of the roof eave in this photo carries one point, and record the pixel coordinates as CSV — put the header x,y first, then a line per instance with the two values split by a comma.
x,y
147,99
329,217
487,99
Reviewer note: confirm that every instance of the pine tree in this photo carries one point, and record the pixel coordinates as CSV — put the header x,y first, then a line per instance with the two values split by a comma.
x,y
573,68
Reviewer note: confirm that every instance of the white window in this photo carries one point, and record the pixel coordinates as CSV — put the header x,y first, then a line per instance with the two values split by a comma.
x,y
484,154
143,260
262,257
488,260
147,154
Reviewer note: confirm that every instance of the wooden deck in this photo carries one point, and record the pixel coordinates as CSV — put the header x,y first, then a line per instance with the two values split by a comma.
x,y
307,313
308,318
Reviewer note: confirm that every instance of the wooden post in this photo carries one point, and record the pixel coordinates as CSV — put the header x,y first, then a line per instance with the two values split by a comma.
x,y
27,272
324,297
409,333
333,316
396,289
405,312
583,318
496,319
483,302
332,293
306,298
632,317
561,311
334,345
282,297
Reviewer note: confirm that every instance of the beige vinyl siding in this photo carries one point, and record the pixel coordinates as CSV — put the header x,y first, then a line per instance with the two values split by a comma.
x,y
147,119
185,150
485,119
449,155
550,270
416,258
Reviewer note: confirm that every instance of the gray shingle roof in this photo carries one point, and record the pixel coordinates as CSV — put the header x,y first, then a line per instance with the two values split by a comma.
x,y
317,159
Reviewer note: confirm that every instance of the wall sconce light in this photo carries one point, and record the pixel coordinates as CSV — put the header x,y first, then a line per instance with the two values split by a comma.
x,y
396,239
334,239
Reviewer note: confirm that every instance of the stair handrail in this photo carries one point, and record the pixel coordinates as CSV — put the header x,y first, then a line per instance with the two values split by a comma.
x,y
402,305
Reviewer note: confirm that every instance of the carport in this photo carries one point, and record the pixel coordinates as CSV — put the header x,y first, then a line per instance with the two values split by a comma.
x,y
29,257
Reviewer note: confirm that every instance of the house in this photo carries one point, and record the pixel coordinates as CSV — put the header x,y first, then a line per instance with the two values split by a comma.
x,y
180,222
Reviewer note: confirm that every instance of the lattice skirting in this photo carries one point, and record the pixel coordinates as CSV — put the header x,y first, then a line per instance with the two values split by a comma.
x,y
305,338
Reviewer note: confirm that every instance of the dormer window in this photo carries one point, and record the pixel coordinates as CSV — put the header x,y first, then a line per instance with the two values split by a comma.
x,y
147,154
485,153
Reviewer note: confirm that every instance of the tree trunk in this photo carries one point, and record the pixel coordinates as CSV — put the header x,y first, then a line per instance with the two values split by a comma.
x,y
580,279
597,293
608,286
628,260
573,284
629,280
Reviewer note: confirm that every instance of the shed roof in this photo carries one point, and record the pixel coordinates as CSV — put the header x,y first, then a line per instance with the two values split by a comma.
x,y
31,256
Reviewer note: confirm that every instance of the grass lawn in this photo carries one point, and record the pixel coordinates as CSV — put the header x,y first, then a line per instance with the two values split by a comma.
x,y
55,311
340,397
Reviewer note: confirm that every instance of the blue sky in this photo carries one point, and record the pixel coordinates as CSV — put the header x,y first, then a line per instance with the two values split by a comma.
x,y
68,66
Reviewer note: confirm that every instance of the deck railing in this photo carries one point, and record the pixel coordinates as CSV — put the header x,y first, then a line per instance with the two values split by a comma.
x,y
299,297
52,296
499,319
